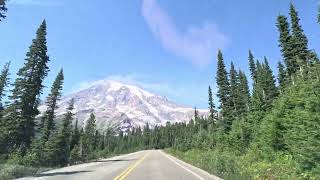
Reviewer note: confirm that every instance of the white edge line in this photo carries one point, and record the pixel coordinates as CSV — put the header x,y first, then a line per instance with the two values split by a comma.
x,y
193,173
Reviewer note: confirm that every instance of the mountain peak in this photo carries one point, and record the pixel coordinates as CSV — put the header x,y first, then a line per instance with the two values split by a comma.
x,y
124,106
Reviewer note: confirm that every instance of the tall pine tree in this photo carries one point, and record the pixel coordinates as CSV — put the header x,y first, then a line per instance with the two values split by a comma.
x,y
234,93
3,83
20,115
244,93
285,42
4,80
48,124
252,67
61,143
223,86
89,136
211,107
271,91
299,40
75,138
281,77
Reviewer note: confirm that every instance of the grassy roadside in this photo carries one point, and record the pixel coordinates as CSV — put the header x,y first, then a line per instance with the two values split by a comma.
x,y
215,163
229,166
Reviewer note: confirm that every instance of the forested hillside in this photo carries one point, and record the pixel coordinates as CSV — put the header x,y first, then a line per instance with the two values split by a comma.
x,y
268,132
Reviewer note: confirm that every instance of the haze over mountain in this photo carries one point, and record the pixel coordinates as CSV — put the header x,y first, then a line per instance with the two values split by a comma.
x,y
123,106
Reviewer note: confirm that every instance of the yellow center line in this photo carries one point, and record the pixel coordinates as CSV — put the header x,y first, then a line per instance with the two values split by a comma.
x,y
126,172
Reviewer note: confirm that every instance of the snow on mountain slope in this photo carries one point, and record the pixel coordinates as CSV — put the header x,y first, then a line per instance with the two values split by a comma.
x,y
123,106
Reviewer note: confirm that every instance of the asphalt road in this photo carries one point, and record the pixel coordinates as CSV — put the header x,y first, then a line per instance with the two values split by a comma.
x,y
142,165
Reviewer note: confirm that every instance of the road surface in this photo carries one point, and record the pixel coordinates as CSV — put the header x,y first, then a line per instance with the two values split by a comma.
x,y
142,165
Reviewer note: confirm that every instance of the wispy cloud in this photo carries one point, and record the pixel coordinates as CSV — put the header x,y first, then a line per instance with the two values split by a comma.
x,y
35,2
197,44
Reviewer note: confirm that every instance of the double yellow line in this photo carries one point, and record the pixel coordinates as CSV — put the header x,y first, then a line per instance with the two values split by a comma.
x,y
126,172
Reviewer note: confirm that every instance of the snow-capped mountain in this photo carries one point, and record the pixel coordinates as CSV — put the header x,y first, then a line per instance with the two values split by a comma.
x,y
123,106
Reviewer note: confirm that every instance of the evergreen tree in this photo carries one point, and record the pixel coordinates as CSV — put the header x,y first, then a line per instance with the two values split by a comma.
x,y
252,67
244,93
75,155
222,81
281,76
3,130
48,124
211,107
234,93
28,86
89,136
257,98
61,150
75,138
4,80
3,9
265,90
285,42
271,91
223,86
299,40
96,140
196,114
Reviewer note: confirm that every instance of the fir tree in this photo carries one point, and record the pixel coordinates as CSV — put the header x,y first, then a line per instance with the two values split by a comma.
x,y
62,140
3,9
244,93
285,42
223,86
281,76
28,86
3,130
96,140
271,91
222,81
196,114
299,39
4,80
89,136
52,99
234,93
75,138
75,155
265,90
257,98
211,107
252,67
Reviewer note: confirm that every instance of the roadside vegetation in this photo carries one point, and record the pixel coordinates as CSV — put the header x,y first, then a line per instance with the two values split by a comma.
x,y
268,132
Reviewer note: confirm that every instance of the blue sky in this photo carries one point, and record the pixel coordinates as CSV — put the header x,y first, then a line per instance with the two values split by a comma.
x,y
167,47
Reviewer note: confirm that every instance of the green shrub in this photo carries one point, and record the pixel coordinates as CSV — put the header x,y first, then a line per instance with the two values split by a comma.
x,y
9,171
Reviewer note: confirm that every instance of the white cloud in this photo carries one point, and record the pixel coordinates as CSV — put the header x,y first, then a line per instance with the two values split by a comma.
x,y
197,44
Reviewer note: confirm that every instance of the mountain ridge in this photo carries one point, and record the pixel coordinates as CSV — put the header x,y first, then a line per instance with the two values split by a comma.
x,y
123,106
